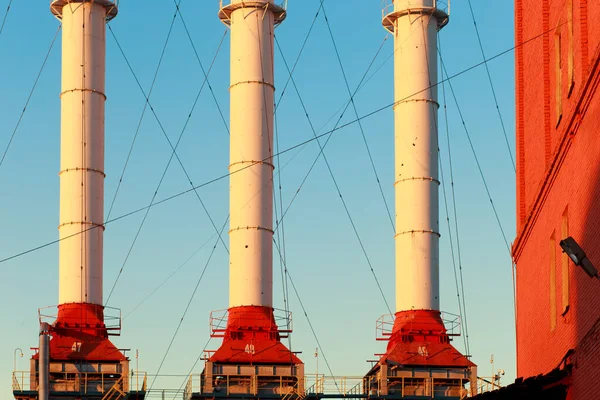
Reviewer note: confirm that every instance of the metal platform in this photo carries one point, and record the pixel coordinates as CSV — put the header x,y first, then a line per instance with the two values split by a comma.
x,y
443,383
81,361
100,381
246,381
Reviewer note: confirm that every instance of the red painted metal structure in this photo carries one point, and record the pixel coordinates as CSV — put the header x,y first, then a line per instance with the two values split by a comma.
x,y
251,361
419,338
252,337
420,360
80,333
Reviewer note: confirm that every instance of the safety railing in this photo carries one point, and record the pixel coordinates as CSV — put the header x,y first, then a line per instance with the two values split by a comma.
x,y
115,2
314,383
347,386
112,318
295,392
385,324
189,387
21,381
218,322
412,387
453,323
112,6
138,381
485,384
82,382
227,7
227,384
388,5
17,384
225,3
318,386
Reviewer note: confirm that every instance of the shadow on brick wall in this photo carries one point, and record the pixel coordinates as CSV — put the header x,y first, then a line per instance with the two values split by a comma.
x,y
585,299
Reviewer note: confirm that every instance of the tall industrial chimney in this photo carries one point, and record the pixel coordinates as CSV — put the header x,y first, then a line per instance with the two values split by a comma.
x,y
82,152
79,346
81,227
251,335
418,340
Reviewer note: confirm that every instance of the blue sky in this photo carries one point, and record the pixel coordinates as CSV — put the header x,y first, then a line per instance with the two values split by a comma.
x,y
323,255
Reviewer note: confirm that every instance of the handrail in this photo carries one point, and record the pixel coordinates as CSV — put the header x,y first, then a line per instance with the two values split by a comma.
x,y
388,7
116,388
218,322
15,382
80,382
312,384
344,385
487,384
222,4
145,382
112,318
385,324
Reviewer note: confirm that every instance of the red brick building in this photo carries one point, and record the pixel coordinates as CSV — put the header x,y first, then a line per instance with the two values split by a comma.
x,y
558,188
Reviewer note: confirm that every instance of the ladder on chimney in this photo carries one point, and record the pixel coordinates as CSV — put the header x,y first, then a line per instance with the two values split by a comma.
x,y
115,392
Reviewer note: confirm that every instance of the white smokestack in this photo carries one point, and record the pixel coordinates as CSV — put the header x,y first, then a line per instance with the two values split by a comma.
x,y
251,190
82,148
416,155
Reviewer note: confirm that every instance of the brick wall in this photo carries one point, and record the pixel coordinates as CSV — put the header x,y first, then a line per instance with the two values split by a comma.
x,y
558,169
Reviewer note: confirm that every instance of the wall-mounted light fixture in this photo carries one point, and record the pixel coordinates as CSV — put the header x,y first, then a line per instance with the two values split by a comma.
x,y
578,256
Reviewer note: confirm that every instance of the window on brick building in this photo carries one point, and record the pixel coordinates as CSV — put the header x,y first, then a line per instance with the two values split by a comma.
x,y
571,55
558,69
564,232
552,276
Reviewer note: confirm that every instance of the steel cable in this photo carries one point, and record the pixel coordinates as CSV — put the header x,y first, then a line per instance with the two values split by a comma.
x,y
489,75
345,206
362,131
5,17
157,288
173,154
459,284
291,148
146,103
487,189
312,329
187,307
312,25
187,32
14,132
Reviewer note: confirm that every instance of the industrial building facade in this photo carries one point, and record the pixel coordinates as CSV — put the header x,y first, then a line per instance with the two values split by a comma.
x,y
558,189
